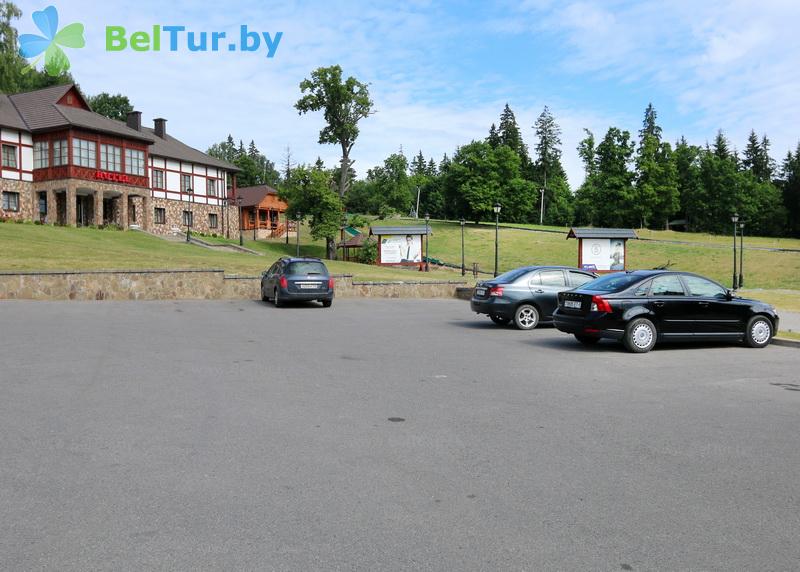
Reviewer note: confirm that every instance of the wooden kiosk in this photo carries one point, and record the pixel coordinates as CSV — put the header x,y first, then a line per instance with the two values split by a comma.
x,y
602,249
401,245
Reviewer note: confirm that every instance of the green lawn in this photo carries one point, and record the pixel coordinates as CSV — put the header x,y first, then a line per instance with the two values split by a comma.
x,y
771,276
33,247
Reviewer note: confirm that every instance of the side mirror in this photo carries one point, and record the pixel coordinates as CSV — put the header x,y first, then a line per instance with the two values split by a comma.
x,y
729,295
264,273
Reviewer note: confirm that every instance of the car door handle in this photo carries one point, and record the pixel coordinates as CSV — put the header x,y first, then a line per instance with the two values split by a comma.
x,y
539,291
658,304
703,303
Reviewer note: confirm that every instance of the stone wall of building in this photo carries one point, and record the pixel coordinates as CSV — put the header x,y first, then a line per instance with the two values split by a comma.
x,y
186,284
227,218
26,205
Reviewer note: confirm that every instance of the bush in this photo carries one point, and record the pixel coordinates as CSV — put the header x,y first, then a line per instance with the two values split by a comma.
x,y
369,252
358,221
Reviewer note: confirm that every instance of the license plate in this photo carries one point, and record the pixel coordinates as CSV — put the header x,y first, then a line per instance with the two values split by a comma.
x,y
480,291
309,286
572,304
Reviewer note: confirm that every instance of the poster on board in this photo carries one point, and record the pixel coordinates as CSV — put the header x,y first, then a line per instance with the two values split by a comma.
x,y
603,253
401,249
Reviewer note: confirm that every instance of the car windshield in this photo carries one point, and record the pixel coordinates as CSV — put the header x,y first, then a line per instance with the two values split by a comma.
x,y
511,275
613,282
306,268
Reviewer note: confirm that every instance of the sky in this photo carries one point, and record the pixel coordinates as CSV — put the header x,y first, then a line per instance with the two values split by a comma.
x,y
441,72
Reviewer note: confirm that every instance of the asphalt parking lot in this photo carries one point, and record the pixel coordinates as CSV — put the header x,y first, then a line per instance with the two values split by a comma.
x,y
237,436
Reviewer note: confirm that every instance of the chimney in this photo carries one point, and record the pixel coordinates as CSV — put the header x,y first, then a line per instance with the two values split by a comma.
x,y
161,127
134,120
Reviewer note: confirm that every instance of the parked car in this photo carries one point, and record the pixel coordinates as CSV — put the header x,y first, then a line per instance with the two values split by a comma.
x,y
297,279
526,295
644,307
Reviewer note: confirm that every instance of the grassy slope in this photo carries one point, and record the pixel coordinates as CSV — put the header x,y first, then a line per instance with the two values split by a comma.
x,y
771,276
33,247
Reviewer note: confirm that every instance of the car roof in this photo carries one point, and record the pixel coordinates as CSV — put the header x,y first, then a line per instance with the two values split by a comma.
x,y
553,268
301,259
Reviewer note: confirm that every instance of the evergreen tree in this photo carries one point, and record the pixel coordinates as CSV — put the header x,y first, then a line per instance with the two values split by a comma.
x,y
657,194
548,172
790,189
614,180
510,135
721,147
586,196
494,136
688,176
756,158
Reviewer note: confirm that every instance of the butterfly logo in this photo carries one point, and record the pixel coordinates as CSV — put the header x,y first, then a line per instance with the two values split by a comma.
x,y
49,44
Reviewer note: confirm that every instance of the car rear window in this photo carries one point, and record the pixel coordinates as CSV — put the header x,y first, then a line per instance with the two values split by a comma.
x,y
306,268
511,275
613,282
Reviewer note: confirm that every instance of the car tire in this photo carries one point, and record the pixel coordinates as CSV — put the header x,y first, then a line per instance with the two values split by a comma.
x,y
759,332
499,320
587,340
526,317
327,303
276,299
640,336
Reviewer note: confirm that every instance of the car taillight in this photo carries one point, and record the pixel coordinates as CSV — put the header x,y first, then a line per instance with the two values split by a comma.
x,y
284,282
600,305
330,283
496,291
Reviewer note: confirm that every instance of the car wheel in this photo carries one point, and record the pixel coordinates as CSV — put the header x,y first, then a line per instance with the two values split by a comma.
x,y
640,336
327,303
499,320
276,299
526,317
759,332
587,340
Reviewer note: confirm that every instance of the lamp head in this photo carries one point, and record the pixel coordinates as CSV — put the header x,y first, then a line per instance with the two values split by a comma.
x,y
463,222
496,208
735,217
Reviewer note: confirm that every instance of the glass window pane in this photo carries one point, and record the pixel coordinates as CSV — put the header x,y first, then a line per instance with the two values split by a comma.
x,y
552,278
669,285
701,287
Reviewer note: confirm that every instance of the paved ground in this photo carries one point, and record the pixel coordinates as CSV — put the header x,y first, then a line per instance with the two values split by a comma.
x,y
234,436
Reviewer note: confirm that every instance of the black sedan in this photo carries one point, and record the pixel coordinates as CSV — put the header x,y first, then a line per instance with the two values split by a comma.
x,y
526,295
297,279
648,306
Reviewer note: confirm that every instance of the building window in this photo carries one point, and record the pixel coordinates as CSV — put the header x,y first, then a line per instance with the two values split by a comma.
x,y
186,183
10,156
41,154
211,187
110,158
158,179
134,162
60,156
84,153
252,217
10,201
160,215
43,203
212,220
188,218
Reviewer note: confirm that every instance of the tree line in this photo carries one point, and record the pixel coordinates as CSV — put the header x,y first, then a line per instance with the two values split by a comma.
x,y
629,182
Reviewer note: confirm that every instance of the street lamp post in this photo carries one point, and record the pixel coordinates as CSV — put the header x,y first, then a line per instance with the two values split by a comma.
x,y
741,254
427,252
463,268
239,204
297,233
735,220
496,235
189,191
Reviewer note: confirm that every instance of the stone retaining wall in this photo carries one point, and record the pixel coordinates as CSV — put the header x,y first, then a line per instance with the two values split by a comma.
x,y
186,284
